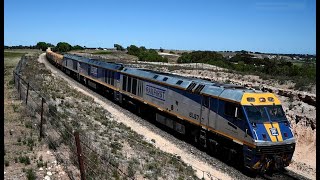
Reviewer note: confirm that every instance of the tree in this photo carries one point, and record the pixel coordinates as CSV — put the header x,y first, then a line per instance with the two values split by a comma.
x,y
142,48
243,56
161,50
42,45
200,57
77,47
133,50
145,55
50,45
118,47
63,47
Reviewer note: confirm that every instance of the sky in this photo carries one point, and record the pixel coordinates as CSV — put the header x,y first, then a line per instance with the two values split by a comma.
x,y
270,26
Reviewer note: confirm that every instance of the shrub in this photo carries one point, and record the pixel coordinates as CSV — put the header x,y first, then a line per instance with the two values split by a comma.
x,y
116,146
6,163
131,169
24,159
15,107
115,174
40,164
146,55
300,85
31,175
28,124
52,144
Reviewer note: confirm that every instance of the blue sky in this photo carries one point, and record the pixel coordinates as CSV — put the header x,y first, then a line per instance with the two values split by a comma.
x,y
278,26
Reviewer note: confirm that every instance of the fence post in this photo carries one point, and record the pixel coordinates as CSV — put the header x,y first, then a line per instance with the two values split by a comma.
x,y
14,78
20,96
41,120
19,86
80,159
27,93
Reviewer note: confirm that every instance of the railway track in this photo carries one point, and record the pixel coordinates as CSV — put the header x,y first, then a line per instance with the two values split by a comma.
x,y
217,164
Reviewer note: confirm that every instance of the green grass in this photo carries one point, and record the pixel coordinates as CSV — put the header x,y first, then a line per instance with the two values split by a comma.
x,y
102,52
13,54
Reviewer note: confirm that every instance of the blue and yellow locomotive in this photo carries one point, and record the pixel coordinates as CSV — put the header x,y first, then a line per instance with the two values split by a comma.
x,y
245,125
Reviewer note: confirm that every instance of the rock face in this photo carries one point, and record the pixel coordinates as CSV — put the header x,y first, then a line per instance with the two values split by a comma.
x,y
309,99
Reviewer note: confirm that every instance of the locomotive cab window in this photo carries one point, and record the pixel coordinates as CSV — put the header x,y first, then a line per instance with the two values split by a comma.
x,y
230,109
240,113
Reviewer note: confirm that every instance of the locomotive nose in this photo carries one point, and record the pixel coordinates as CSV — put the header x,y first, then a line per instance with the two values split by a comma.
x,y
273,131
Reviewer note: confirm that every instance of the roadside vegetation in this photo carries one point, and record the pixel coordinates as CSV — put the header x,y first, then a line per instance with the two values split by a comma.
x,y
119,47
20,136
13,54
146,54
281,70
60,47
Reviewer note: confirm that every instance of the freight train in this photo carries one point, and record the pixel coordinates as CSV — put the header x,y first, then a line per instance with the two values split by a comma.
x,y
244,125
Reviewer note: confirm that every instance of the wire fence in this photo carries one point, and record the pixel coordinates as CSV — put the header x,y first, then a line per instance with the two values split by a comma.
x,y
75,150
80,158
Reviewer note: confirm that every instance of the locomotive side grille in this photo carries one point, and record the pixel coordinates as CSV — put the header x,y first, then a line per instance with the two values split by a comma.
x,y
199,88
275,149
191,86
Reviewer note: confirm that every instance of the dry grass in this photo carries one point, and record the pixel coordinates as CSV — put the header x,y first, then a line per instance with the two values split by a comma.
x,y
20,134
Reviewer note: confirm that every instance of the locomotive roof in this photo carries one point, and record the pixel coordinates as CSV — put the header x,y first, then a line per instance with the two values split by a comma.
x,y
165,78
227,91
95,62
234,93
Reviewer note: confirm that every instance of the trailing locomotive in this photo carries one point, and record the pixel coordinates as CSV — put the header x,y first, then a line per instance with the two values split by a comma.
x,y
247,125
